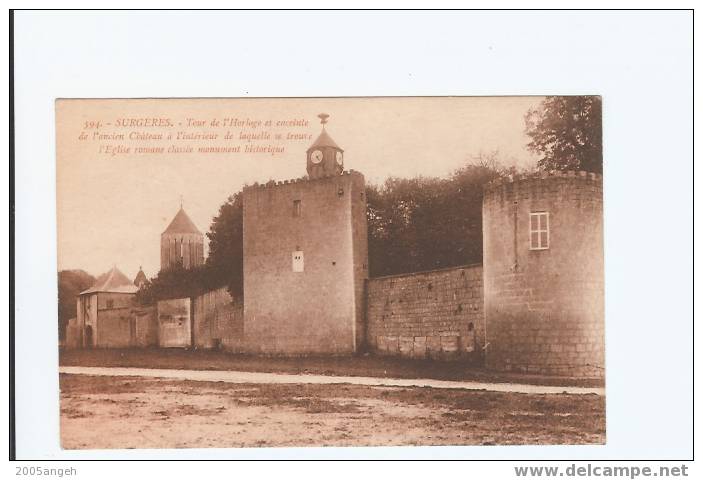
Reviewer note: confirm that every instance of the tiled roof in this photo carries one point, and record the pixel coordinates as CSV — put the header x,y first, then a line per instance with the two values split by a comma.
x,y
182,223
113,281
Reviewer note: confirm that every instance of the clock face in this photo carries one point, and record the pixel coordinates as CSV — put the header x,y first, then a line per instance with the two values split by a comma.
x,y
316,156
339,157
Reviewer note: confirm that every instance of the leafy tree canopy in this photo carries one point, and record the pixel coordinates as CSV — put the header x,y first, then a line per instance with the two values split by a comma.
x,y
567,133
71,283
178,282
427,223
226,243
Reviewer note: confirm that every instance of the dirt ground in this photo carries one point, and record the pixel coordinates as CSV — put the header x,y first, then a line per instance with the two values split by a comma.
x,y
134,412
358,365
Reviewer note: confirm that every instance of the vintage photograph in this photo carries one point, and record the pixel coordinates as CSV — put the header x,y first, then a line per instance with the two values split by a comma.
x,y
313,272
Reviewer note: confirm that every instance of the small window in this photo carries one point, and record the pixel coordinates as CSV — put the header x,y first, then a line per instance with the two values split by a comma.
x,y
539,231
110,303
298,261
296,208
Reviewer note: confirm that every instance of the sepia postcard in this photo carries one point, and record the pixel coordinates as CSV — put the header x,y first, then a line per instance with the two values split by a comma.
x,y
314,272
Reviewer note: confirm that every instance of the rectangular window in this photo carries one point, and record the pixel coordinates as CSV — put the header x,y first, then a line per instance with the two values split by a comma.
x,y
539,230
298,261
110,303
296,208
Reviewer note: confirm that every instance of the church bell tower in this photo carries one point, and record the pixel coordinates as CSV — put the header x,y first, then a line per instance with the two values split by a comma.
x,y
325,158
181,243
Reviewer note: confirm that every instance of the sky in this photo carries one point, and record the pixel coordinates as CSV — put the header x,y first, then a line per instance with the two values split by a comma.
x,y
112,208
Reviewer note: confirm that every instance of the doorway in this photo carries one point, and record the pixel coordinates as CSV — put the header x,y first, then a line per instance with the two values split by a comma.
x,y
89,336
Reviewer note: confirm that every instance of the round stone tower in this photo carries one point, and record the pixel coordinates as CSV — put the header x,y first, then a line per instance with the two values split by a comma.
x,y
543,274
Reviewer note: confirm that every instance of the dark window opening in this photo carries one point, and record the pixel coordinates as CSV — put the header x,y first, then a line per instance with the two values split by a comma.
x,y
296,208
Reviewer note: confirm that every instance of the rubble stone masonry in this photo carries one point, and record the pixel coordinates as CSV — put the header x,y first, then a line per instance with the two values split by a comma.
x,y
218,320
433,314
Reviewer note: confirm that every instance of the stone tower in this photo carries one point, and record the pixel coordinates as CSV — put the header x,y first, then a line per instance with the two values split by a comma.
x,y
306,259
181,243
543,274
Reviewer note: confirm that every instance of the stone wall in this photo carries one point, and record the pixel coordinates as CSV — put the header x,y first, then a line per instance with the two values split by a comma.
x,y
146,327
114,328
73,334
218,320
115,325
174,320
544,307
436,314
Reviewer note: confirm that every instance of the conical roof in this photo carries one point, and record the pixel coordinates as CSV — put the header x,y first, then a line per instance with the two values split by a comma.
x,y
140,278
324,140
112,281
182,223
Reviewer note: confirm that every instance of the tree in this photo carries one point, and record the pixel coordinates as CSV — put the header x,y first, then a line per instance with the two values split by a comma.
x,y
427,223
567,133
226,237
71,283
178,282
223,266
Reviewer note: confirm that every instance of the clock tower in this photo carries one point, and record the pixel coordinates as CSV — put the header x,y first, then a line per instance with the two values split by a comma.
x,y
325,158
305,259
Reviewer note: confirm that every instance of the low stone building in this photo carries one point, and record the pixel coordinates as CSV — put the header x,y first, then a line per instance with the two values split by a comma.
x,y
107,315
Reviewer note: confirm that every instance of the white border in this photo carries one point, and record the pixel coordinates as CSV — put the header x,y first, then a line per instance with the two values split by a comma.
x,y
640,62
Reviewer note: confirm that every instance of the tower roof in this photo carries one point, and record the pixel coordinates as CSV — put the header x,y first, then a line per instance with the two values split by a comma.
x,y
182,223
324,140
112,281
140,278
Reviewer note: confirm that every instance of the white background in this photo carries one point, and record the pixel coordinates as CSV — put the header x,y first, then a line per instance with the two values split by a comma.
x,y
640,62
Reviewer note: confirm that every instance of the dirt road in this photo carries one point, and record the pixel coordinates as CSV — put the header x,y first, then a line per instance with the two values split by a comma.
x,y
278,378
137,412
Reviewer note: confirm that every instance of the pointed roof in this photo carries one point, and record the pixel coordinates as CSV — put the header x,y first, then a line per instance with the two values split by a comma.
x,y
182,223
112,281
140,278
324,140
